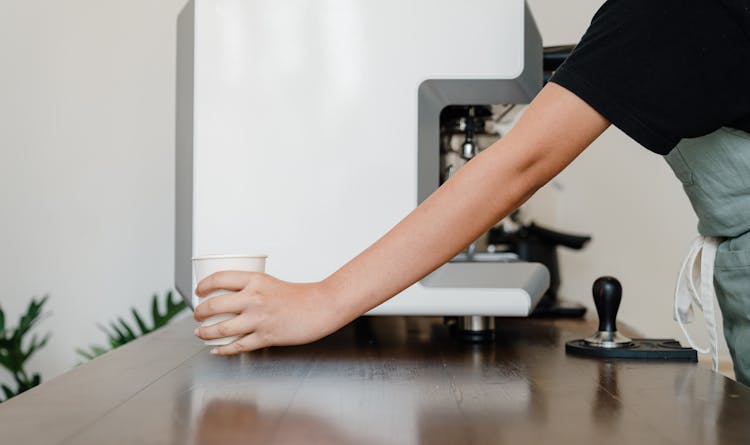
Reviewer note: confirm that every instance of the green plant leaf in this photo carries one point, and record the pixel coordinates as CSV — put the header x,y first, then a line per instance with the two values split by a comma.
x,y
93,352
85,354
141,325
172,308
121,337
114,337
12,355
175,307
28,320
156,317
6,363
104,329
44,341
98,350
116,334
130,334
20,381
120,332
25,384
2,323
32,347
9,393
35,345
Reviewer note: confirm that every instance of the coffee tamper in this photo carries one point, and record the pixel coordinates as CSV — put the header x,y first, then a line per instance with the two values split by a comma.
x,y
608,343
607,296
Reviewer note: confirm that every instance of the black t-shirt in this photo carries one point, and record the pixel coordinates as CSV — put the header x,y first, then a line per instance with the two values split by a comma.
x,y
663,70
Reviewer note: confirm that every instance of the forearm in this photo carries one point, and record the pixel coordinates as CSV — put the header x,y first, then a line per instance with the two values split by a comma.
x,y
452,217
485,190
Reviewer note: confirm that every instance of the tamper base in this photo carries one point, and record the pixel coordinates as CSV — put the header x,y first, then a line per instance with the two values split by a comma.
x,y
609,340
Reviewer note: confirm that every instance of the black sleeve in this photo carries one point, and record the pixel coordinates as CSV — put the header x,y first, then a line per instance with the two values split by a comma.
x,y
663,70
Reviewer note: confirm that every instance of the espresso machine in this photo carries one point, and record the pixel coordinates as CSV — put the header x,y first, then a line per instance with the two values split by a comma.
x,y
307,129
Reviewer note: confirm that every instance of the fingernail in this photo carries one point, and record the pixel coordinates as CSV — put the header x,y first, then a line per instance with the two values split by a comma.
x,y
215,351
196,331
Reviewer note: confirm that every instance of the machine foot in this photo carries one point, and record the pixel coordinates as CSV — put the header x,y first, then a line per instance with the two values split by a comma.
x,y
476,329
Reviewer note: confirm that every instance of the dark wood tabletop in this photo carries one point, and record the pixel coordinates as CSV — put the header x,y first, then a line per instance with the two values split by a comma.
x,y
380,380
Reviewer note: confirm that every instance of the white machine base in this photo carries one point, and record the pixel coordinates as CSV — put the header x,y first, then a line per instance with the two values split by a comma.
x,y
488,289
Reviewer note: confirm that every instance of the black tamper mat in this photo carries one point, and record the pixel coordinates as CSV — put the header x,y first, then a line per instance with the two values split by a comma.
x,y
608,343
642,348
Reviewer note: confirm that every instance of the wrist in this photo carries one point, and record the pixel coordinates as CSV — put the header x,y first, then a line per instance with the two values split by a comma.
x,y
340,297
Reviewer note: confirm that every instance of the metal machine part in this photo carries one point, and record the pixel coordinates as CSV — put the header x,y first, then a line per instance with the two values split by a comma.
x,y
469,148
467,121
461,128
476,328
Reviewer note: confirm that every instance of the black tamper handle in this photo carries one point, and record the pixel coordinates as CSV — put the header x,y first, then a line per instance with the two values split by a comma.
x,y
607,295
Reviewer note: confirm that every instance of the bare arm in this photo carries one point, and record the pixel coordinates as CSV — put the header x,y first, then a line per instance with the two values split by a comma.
x,y
552,132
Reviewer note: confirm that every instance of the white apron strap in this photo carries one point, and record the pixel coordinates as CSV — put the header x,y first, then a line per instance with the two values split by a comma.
x,y
695,284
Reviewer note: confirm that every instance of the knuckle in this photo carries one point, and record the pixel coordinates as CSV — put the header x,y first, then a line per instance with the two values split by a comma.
x,y
252,280
204,285
209,307
257,298
266,339
200,313
222,329
256,280
212,280
253,301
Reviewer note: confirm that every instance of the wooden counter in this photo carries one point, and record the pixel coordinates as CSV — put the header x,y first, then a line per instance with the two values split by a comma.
x,y
380,381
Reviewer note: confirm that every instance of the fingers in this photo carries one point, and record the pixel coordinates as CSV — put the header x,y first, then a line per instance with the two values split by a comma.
x,y
247,343
231,280
239,325
222,304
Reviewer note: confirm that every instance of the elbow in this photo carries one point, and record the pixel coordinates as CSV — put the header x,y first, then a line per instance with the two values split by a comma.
x,y
536,167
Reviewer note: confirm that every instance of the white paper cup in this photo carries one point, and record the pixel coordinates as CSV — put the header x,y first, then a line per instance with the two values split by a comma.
x,y
206,265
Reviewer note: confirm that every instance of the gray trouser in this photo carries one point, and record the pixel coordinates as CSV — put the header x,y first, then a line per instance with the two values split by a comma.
x,y
715,173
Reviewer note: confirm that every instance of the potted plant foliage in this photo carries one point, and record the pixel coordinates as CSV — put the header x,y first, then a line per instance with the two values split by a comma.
x,y
15,350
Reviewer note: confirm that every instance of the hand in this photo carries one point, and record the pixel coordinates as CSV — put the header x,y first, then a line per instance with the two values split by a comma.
x,y
270,312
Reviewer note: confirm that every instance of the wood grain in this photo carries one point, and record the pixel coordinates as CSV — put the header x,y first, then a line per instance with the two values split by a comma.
x,y
379,380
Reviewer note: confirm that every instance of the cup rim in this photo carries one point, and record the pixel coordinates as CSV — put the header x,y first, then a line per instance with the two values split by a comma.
x,y
228,256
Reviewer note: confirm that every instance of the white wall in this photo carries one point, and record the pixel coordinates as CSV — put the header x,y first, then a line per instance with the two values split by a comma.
x,y
86,174
86,162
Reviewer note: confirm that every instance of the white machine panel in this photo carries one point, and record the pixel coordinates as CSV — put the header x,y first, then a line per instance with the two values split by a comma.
x,y
299,138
